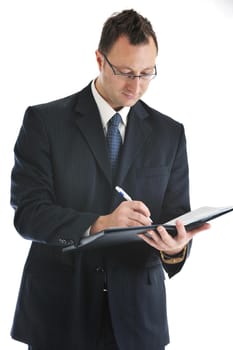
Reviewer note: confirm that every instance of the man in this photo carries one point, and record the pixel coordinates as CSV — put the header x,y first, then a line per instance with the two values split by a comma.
x,y
63,188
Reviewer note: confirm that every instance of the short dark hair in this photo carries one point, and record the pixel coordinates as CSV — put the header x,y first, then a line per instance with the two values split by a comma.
x,y
126,23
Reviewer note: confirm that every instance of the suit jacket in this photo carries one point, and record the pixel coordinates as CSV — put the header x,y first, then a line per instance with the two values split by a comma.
x,y
61,182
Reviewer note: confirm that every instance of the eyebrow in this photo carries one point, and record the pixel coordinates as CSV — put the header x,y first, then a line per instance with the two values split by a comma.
x,y
126,67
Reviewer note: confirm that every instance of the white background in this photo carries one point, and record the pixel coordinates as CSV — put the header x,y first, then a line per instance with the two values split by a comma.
x,y
47,52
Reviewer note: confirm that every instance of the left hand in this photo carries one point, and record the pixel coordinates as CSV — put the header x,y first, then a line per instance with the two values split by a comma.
x,y
172,245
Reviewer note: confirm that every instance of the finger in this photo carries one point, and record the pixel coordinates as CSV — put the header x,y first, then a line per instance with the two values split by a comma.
x,y
139,218
165,236
181,231
170,243
149,240
153,239
203,227
126,215
140,207
153,235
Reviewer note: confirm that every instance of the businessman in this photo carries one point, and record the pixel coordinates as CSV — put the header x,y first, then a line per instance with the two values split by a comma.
x,y
69,156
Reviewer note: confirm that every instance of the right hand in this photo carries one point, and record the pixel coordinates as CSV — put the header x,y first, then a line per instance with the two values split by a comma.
x,y
128,213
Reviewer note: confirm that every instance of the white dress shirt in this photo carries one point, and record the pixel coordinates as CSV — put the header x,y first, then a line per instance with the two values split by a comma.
x,y
106,112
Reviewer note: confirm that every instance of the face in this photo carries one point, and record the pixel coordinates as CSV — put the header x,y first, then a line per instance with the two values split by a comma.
x,y
131,59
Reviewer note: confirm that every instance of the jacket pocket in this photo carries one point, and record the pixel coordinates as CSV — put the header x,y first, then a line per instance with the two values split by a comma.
x,y
155,171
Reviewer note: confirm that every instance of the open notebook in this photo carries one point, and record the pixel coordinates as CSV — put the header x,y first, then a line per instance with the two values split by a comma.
x,y
120,235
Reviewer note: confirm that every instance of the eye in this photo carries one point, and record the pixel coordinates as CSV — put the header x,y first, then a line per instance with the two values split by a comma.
x,y
148,72
126,72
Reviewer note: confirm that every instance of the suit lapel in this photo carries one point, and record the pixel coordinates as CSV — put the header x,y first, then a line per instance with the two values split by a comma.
x,y
89,122
137,133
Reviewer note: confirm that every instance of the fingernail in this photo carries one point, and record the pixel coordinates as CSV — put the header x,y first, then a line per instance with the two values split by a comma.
x,y
160,229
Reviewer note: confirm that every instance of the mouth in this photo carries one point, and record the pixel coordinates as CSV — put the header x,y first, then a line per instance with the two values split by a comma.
x,y
130,96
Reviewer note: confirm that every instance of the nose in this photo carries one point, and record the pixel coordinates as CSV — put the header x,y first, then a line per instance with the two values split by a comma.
x,y
134,83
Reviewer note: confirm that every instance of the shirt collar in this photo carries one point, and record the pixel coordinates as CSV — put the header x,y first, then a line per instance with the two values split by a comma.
x,y
105,110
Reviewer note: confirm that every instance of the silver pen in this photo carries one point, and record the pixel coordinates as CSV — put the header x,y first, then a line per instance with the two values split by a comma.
x,y
123,193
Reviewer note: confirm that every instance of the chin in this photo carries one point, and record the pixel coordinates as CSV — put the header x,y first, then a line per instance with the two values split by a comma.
x,y
130,103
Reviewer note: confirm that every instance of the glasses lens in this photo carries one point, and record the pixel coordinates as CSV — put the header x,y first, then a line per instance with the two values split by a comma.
x,y
147,77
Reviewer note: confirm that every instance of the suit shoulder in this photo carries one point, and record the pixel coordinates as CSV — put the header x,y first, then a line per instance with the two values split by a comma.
x,y
62,108
56,111
159,117
59,104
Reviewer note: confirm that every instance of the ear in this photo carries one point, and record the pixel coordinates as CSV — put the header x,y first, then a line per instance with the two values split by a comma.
x,y
99,59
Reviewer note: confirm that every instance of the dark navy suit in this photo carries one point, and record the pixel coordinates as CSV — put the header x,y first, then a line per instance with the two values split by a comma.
x,y
61,182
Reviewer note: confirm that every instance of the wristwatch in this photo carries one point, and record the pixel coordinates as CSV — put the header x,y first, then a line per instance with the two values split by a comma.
x,y
173,259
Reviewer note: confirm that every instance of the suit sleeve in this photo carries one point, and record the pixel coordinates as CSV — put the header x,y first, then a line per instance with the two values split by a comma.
x,y
176,200
37,215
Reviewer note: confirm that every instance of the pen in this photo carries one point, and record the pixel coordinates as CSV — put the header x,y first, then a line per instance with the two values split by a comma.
x,y
125,195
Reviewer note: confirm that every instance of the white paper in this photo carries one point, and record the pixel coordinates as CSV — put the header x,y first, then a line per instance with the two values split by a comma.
x,y
199,214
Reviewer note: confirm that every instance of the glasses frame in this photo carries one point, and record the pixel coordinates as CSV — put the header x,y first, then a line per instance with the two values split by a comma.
x,y
116,71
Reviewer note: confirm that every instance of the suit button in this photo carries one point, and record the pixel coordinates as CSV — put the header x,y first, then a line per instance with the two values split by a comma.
x,y
99,269
62,241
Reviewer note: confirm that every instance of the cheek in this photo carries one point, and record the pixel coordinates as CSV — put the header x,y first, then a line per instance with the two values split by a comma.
x,y
143,88
115,86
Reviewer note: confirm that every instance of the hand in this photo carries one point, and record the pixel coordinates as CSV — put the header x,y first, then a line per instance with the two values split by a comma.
x,y
163,241
128,213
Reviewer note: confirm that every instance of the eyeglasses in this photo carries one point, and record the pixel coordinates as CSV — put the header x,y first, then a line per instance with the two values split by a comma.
x,y
144,76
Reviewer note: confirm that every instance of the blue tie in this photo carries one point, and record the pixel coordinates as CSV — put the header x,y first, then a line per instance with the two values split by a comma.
x,y
114,142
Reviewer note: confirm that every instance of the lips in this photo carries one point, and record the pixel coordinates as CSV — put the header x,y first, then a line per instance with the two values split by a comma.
x,y
130,96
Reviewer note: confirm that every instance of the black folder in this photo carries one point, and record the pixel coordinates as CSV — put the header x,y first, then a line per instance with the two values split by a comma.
x,y
121,235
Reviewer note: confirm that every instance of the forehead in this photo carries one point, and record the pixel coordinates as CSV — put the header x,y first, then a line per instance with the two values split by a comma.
x,y
123,53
